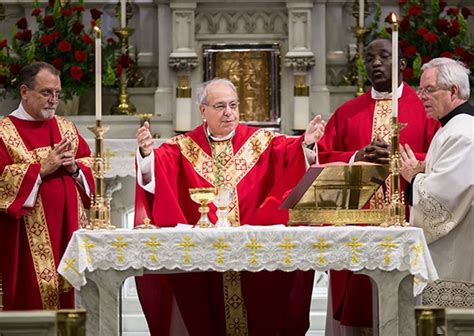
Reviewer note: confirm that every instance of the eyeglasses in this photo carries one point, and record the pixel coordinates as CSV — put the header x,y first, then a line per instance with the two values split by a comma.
x,y
428,91
220,107
49,94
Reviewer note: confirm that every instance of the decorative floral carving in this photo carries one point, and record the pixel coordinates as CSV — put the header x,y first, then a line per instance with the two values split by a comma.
x,y
300,64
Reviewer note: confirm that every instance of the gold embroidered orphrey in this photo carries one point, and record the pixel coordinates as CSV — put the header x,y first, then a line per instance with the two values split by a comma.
x,y
49,283
381,128
234,168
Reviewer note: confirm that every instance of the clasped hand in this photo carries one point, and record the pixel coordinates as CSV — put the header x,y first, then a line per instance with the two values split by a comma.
x,y
377,152
60,155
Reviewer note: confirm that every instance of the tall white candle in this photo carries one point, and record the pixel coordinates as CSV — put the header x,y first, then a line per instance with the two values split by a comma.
x,y
123,13
98,74
361,13
301,112
183,114
394,65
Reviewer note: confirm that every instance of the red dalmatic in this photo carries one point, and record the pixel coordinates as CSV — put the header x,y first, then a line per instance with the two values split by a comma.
x,y
34,239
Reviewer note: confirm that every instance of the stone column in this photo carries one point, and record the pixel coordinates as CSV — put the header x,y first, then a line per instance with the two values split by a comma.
x,y
183,59
320,96
300,59
164,91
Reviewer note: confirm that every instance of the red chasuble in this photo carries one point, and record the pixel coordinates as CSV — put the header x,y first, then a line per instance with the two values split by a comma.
x,y
262,167
351,128
34,239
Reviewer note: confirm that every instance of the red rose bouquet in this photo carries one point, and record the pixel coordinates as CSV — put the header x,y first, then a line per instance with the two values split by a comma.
x,y
428,29
60,39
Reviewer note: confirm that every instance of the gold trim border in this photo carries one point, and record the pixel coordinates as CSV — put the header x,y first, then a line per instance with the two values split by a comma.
x,y
337,217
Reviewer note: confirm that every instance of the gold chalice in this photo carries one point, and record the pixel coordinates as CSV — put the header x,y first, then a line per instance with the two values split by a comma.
x,y
203,196
222,202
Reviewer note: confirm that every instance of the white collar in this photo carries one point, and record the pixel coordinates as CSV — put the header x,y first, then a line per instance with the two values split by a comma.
x,y
385,95
20,113
224,138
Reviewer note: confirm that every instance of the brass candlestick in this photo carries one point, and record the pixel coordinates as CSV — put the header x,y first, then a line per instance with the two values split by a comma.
x,y
123,106
396,205
100,203
360,33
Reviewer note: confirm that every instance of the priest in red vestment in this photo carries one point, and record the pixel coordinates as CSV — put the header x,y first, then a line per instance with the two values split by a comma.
x,y
44,187
359,130
260,166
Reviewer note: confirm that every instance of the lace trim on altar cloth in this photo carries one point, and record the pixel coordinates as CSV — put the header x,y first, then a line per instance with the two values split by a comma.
x,y
436,217
452,294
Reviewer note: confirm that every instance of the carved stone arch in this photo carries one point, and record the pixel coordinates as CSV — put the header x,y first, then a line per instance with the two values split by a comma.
x,y
213,20
231,19
278,15
250,23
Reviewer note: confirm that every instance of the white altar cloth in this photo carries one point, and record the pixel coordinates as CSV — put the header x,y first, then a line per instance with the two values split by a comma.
x,y
251,248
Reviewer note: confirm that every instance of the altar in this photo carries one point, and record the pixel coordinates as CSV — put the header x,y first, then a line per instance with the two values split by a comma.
x,y
97,262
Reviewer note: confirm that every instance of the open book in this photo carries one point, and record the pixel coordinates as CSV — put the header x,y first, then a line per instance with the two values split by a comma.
x,y
337,185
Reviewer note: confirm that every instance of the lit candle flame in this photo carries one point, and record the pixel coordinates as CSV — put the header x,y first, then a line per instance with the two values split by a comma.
x,y
97,31
393,18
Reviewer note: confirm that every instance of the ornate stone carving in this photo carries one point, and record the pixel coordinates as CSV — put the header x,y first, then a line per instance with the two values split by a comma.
x,y
183,32
241,22
183,64
300,63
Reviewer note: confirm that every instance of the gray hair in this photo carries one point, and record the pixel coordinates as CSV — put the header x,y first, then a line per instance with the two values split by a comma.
x,y
450,72
201,90
27,74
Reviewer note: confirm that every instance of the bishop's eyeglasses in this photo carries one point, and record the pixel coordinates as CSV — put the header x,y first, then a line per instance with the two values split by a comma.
x,y
220,107
48,94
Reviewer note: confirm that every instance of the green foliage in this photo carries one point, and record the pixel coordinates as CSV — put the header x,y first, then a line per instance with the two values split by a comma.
x,y
63,40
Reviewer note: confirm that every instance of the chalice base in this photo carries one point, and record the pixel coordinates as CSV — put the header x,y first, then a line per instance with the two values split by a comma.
x,y
222,220
204,222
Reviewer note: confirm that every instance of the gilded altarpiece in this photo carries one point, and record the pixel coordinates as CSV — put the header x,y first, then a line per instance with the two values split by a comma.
x,y
254,70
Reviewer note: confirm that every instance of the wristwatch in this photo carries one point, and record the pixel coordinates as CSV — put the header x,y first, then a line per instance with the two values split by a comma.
x,y
76,173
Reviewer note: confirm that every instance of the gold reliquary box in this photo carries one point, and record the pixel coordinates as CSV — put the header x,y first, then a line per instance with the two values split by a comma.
x,y
336,194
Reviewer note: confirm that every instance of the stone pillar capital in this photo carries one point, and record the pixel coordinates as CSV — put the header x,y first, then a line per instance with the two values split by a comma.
x,y
183,64
300,64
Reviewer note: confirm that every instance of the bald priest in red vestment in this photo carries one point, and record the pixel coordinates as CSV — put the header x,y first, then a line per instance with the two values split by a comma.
x,y
261,166
45,185
359,130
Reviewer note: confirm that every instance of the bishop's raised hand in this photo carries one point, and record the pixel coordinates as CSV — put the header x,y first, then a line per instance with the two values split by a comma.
x,y
144,139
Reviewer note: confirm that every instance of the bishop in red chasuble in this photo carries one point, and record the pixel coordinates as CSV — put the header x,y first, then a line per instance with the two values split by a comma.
x,y
261,166
41,202
360,130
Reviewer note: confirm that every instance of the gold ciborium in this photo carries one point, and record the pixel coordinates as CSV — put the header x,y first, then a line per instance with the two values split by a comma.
x,y
222,202
203,196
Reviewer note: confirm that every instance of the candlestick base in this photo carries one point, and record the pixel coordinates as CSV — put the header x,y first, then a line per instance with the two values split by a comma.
x,y
100,203
124,107
396,204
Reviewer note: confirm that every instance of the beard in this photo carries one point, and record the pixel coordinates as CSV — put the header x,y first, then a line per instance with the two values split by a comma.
x,y
47,113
